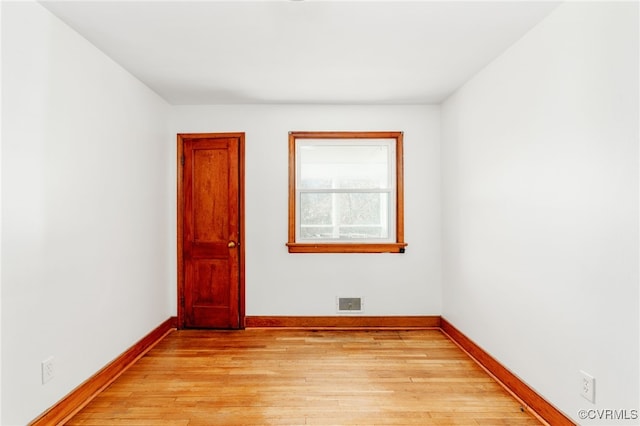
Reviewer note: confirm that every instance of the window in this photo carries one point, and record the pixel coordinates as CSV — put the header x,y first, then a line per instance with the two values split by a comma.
x,y
346,192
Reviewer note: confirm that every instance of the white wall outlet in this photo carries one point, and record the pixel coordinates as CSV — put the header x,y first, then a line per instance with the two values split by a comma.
x,y
587,386
48,370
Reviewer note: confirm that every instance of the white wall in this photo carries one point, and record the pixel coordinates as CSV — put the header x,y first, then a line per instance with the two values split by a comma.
x,y
0,216
279,283
540,207
84,196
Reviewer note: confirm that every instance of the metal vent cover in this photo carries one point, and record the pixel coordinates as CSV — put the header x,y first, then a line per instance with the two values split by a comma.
x,y
350,304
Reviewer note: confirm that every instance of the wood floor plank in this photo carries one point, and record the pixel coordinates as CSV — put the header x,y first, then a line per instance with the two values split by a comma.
x,y
298,377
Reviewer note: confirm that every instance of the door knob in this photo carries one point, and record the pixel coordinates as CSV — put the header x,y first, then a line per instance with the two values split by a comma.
x,y
231,244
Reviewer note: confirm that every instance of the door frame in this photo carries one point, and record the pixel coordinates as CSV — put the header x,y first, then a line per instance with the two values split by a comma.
x,y
180,220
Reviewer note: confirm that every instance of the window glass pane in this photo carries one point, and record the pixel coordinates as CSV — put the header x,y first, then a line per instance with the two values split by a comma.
x,y
344,216
344,166
315,209
316,233
362,208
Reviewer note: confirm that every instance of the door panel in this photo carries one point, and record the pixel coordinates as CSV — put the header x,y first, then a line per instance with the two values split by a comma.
x,y
210,197
210,193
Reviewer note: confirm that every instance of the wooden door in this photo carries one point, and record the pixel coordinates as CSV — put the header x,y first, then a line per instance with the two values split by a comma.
x,y
210,230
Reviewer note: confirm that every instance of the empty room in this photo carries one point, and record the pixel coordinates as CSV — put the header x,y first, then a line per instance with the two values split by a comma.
x,y
319,212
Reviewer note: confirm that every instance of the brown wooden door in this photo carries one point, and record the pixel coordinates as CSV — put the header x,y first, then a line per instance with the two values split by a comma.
x,y
210,238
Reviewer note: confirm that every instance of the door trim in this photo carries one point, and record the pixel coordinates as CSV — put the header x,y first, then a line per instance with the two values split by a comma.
x,y
180,221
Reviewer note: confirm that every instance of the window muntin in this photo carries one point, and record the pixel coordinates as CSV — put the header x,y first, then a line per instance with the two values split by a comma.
x,y
345,192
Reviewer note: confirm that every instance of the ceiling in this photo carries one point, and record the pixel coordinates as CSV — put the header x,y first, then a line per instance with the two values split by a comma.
x,y
302,52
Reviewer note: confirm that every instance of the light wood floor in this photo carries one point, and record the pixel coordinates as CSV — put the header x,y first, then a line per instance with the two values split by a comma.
x,y
276,377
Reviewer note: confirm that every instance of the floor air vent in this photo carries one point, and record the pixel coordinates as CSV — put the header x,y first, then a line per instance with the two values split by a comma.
x,y
350,304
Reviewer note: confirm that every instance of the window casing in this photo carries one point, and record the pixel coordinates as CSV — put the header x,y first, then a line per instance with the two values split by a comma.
x,y
346,192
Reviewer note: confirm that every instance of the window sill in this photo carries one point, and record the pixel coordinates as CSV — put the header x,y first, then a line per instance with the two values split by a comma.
x,y
346,247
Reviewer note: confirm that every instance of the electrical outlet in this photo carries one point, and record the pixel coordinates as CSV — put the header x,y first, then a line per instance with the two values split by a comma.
x,y
587,386
47,370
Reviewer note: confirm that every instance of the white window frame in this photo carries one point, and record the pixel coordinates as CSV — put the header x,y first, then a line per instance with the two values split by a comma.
x,y
388,214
